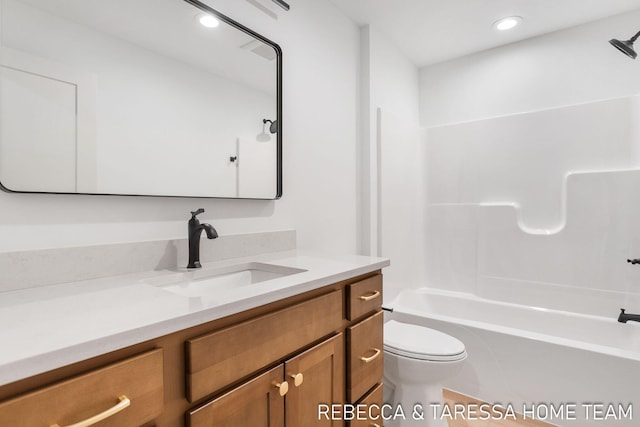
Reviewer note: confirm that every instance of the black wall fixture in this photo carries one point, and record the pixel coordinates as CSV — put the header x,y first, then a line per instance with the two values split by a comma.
x,y
626,46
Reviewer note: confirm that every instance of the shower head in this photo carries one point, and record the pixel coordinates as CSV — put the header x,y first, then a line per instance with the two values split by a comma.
x,y
626,46
273,127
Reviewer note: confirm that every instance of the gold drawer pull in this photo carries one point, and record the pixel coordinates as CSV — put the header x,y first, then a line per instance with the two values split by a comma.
x,y
372,295
282,387
124,403
371,358
297,379
374,425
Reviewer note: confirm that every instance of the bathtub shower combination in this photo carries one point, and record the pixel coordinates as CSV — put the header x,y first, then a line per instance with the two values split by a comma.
x,y
533,358
529,221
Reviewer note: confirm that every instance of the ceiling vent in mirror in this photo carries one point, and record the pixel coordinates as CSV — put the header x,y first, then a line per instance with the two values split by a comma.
x,y
260,49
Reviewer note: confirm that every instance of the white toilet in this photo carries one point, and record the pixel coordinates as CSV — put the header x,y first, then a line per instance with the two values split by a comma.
x,y
416,361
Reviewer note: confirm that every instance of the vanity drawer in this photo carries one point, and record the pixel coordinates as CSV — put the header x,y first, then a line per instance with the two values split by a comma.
x,y
105,391
364,296
365,356
223,357
374,397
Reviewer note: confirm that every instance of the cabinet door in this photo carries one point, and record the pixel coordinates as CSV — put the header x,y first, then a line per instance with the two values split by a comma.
x,y
315,377
256,403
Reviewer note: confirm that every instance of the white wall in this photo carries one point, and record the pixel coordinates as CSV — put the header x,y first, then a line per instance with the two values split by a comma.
x,y
532,158
391,160
562,68
319,127
394,79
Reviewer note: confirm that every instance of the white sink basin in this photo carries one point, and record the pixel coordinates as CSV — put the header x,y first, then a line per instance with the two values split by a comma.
x,y
209,282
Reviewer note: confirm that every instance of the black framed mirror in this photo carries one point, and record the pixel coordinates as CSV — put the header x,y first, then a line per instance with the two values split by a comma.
x,y
145,97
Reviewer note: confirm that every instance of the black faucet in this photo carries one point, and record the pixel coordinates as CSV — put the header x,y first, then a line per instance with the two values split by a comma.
x,y
195,229
624,317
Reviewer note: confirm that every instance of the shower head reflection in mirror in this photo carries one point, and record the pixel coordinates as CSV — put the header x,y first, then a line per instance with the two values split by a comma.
x,y
273,128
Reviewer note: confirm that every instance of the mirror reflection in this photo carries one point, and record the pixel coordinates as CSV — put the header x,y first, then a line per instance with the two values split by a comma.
x,y
146,97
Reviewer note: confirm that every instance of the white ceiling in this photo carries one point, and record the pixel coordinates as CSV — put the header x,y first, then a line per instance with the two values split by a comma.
x,y
431,31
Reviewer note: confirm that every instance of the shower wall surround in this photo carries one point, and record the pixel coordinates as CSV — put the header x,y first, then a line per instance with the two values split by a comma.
x,y
538,208
531,184
523,159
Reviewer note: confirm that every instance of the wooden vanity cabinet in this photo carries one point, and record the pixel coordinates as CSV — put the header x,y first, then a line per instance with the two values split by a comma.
x,y
325,345
285,395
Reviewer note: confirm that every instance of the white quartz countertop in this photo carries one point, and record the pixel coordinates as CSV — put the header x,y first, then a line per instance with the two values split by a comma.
x,y
49,327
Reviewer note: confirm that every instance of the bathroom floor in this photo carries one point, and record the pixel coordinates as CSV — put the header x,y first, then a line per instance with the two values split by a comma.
x,y
451,397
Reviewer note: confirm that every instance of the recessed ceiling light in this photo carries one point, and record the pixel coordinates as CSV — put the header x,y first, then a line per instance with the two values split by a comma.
x,y
207,20
507,23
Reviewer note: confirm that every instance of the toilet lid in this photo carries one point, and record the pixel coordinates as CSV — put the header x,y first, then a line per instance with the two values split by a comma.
x,y
421,343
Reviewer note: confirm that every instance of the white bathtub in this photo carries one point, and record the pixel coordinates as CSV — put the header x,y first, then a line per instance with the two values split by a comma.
x,y
522,355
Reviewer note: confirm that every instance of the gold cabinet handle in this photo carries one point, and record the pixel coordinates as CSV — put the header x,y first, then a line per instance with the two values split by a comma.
x,y
123,403
376,353
369,297
374,425
282,387
297,379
